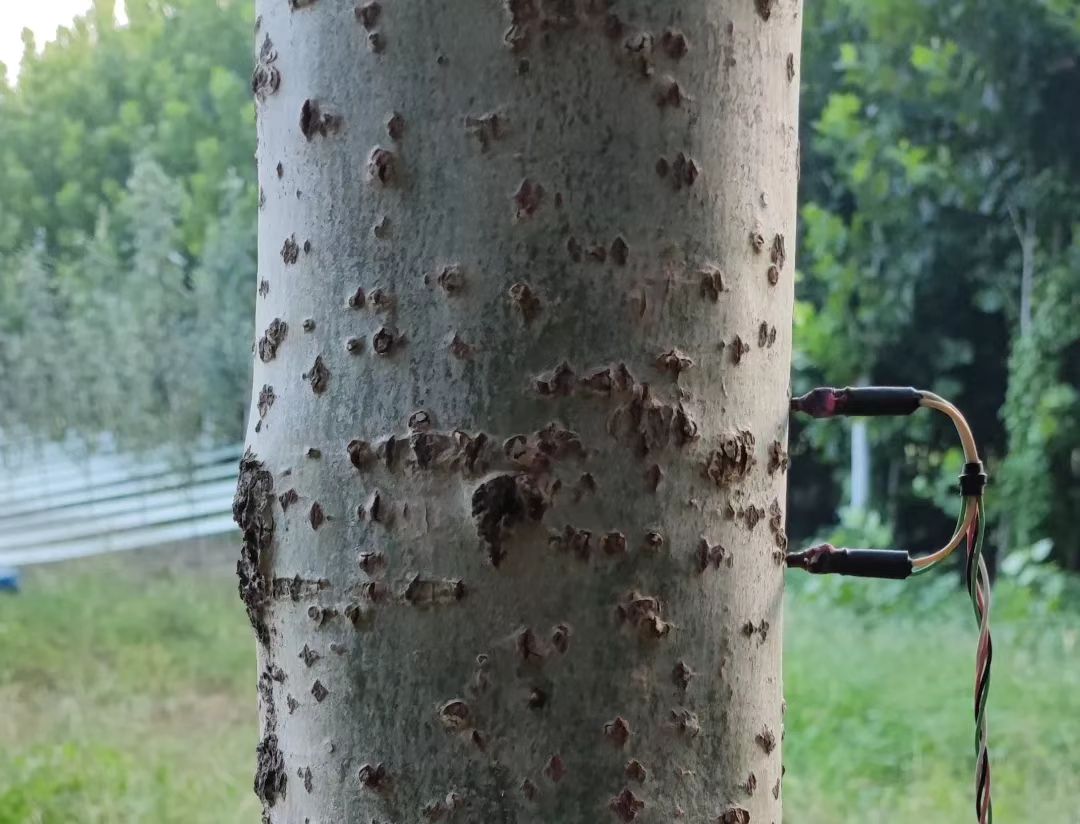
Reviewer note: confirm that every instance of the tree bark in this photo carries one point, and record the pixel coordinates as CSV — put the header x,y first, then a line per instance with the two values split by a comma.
x,y
513,497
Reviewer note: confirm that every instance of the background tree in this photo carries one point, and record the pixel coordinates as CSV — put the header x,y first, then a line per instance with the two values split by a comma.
x,y
129,199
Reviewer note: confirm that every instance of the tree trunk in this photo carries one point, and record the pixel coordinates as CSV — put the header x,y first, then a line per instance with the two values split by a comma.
x,y
513,497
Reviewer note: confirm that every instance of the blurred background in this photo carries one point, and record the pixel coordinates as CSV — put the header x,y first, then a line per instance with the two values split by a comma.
x,y
939,246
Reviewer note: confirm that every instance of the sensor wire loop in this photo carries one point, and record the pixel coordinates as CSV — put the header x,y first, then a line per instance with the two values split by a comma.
x,y
828,402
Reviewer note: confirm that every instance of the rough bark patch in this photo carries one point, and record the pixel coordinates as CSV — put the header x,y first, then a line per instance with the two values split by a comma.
x,y
270,778
685,722
290,250
682,675
316,122
560,638
252,511
265,402
646,424
778,253
368,14
308,655
272,338
674,361
709,556
318,376
674,44
712,282
764,8
626,805
526,301
455,715
451,278
766,739
395,126
316,515
266,78
296,587
374,777
739,347
433,591
734,815
486,128
384,341
555,769
643,612
287,499
684,171
500,504
617,731
527,199
360,453
750,785
733,460
382,166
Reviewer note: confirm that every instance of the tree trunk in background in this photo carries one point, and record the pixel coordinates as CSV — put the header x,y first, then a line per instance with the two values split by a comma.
x,y
513,498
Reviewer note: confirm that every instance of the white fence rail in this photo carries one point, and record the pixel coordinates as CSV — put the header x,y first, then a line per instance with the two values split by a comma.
x,y
57,502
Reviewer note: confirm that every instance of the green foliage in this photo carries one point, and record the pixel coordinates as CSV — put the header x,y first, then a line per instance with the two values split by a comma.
x,y
932,134
1037,587
127,226
172,84
1041,470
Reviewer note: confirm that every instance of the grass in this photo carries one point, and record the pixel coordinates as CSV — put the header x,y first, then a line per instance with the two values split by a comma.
x,y
127,695
880,721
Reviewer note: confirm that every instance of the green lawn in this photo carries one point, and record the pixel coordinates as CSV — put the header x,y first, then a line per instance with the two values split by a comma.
x,y
127,694
880,722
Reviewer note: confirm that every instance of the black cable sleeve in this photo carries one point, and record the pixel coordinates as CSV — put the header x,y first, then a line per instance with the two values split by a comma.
x,y
861,563
861,401
973,480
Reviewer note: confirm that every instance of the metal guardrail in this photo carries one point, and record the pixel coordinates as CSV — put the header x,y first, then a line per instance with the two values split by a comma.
x,y
57,502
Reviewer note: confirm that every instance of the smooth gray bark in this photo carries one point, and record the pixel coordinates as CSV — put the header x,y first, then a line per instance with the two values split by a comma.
x,y
513,501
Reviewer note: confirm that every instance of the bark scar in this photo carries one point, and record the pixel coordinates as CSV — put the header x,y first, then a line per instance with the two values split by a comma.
x,y
500,504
